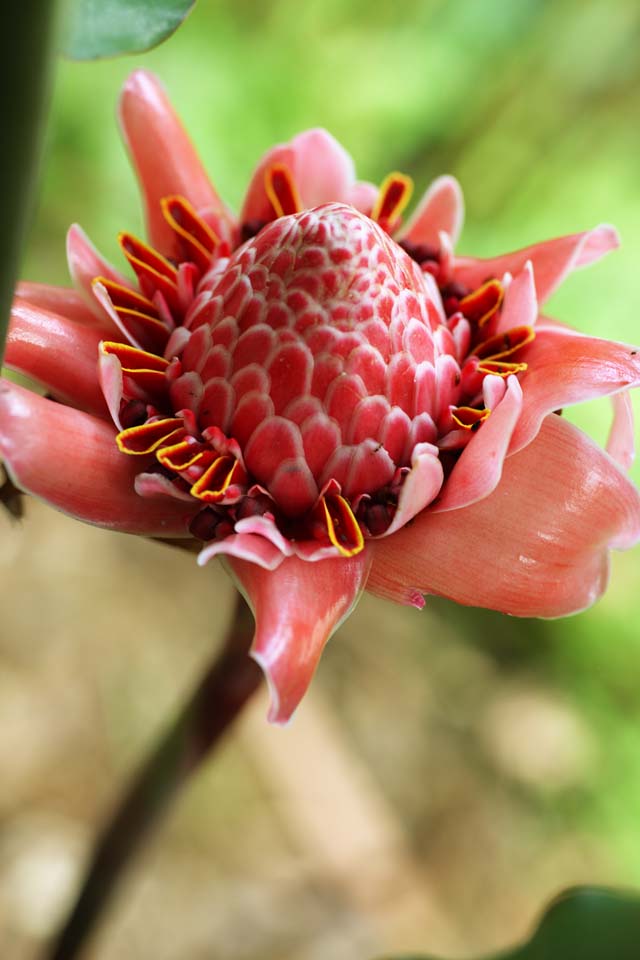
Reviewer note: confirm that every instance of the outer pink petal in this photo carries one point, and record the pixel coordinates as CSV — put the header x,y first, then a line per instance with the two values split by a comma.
x,y
324,169
420,486
440,210
85,264
164,158
566,368
537,546
621,440
520,308
478,471
552,260
58,353
297,607
64,301
70,460
362,195
321,167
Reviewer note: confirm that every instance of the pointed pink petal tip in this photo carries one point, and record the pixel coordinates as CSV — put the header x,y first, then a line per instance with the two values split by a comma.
x,y
520,306
142,83
552,260
621,439
164,158
85,264
596,243
441,210
297,608
566,368
415,599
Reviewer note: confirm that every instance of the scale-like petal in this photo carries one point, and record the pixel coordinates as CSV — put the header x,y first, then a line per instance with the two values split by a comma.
x,y
164,157
552,260
536,547
70,460
297,607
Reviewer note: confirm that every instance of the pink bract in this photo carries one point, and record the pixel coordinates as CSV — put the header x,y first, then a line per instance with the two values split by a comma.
x,y
327,399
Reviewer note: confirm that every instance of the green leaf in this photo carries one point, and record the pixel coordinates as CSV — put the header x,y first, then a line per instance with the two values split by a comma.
x,y
587,923
108,28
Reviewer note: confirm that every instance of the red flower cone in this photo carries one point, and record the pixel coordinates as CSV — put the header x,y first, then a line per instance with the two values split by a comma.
x,y
326,399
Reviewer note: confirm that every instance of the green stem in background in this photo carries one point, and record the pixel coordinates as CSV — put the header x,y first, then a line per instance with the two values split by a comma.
x,y
214,704
27,32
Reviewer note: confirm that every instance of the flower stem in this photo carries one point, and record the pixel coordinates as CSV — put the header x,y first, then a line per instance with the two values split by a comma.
x,y
213,705
27,33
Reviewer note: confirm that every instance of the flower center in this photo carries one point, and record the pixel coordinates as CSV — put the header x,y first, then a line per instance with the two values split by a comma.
x,y
292,383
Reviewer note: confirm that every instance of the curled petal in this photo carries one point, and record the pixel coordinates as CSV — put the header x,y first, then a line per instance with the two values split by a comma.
x,y
112,384
257,206
321,169
536,547
164,157
251,548
564,368
58,353
65,301
621,440
157,485
297,607
440,210
479,468
119,329
420,487
552,260
268,529
70,460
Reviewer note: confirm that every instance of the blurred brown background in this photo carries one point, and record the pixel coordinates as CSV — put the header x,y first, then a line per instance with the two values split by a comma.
x,y
450,770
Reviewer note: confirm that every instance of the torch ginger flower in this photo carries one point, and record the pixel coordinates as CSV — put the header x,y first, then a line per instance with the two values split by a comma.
x,y
327,399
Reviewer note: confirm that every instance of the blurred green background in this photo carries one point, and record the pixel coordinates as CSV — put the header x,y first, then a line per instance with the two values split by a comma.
x,y
451,769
